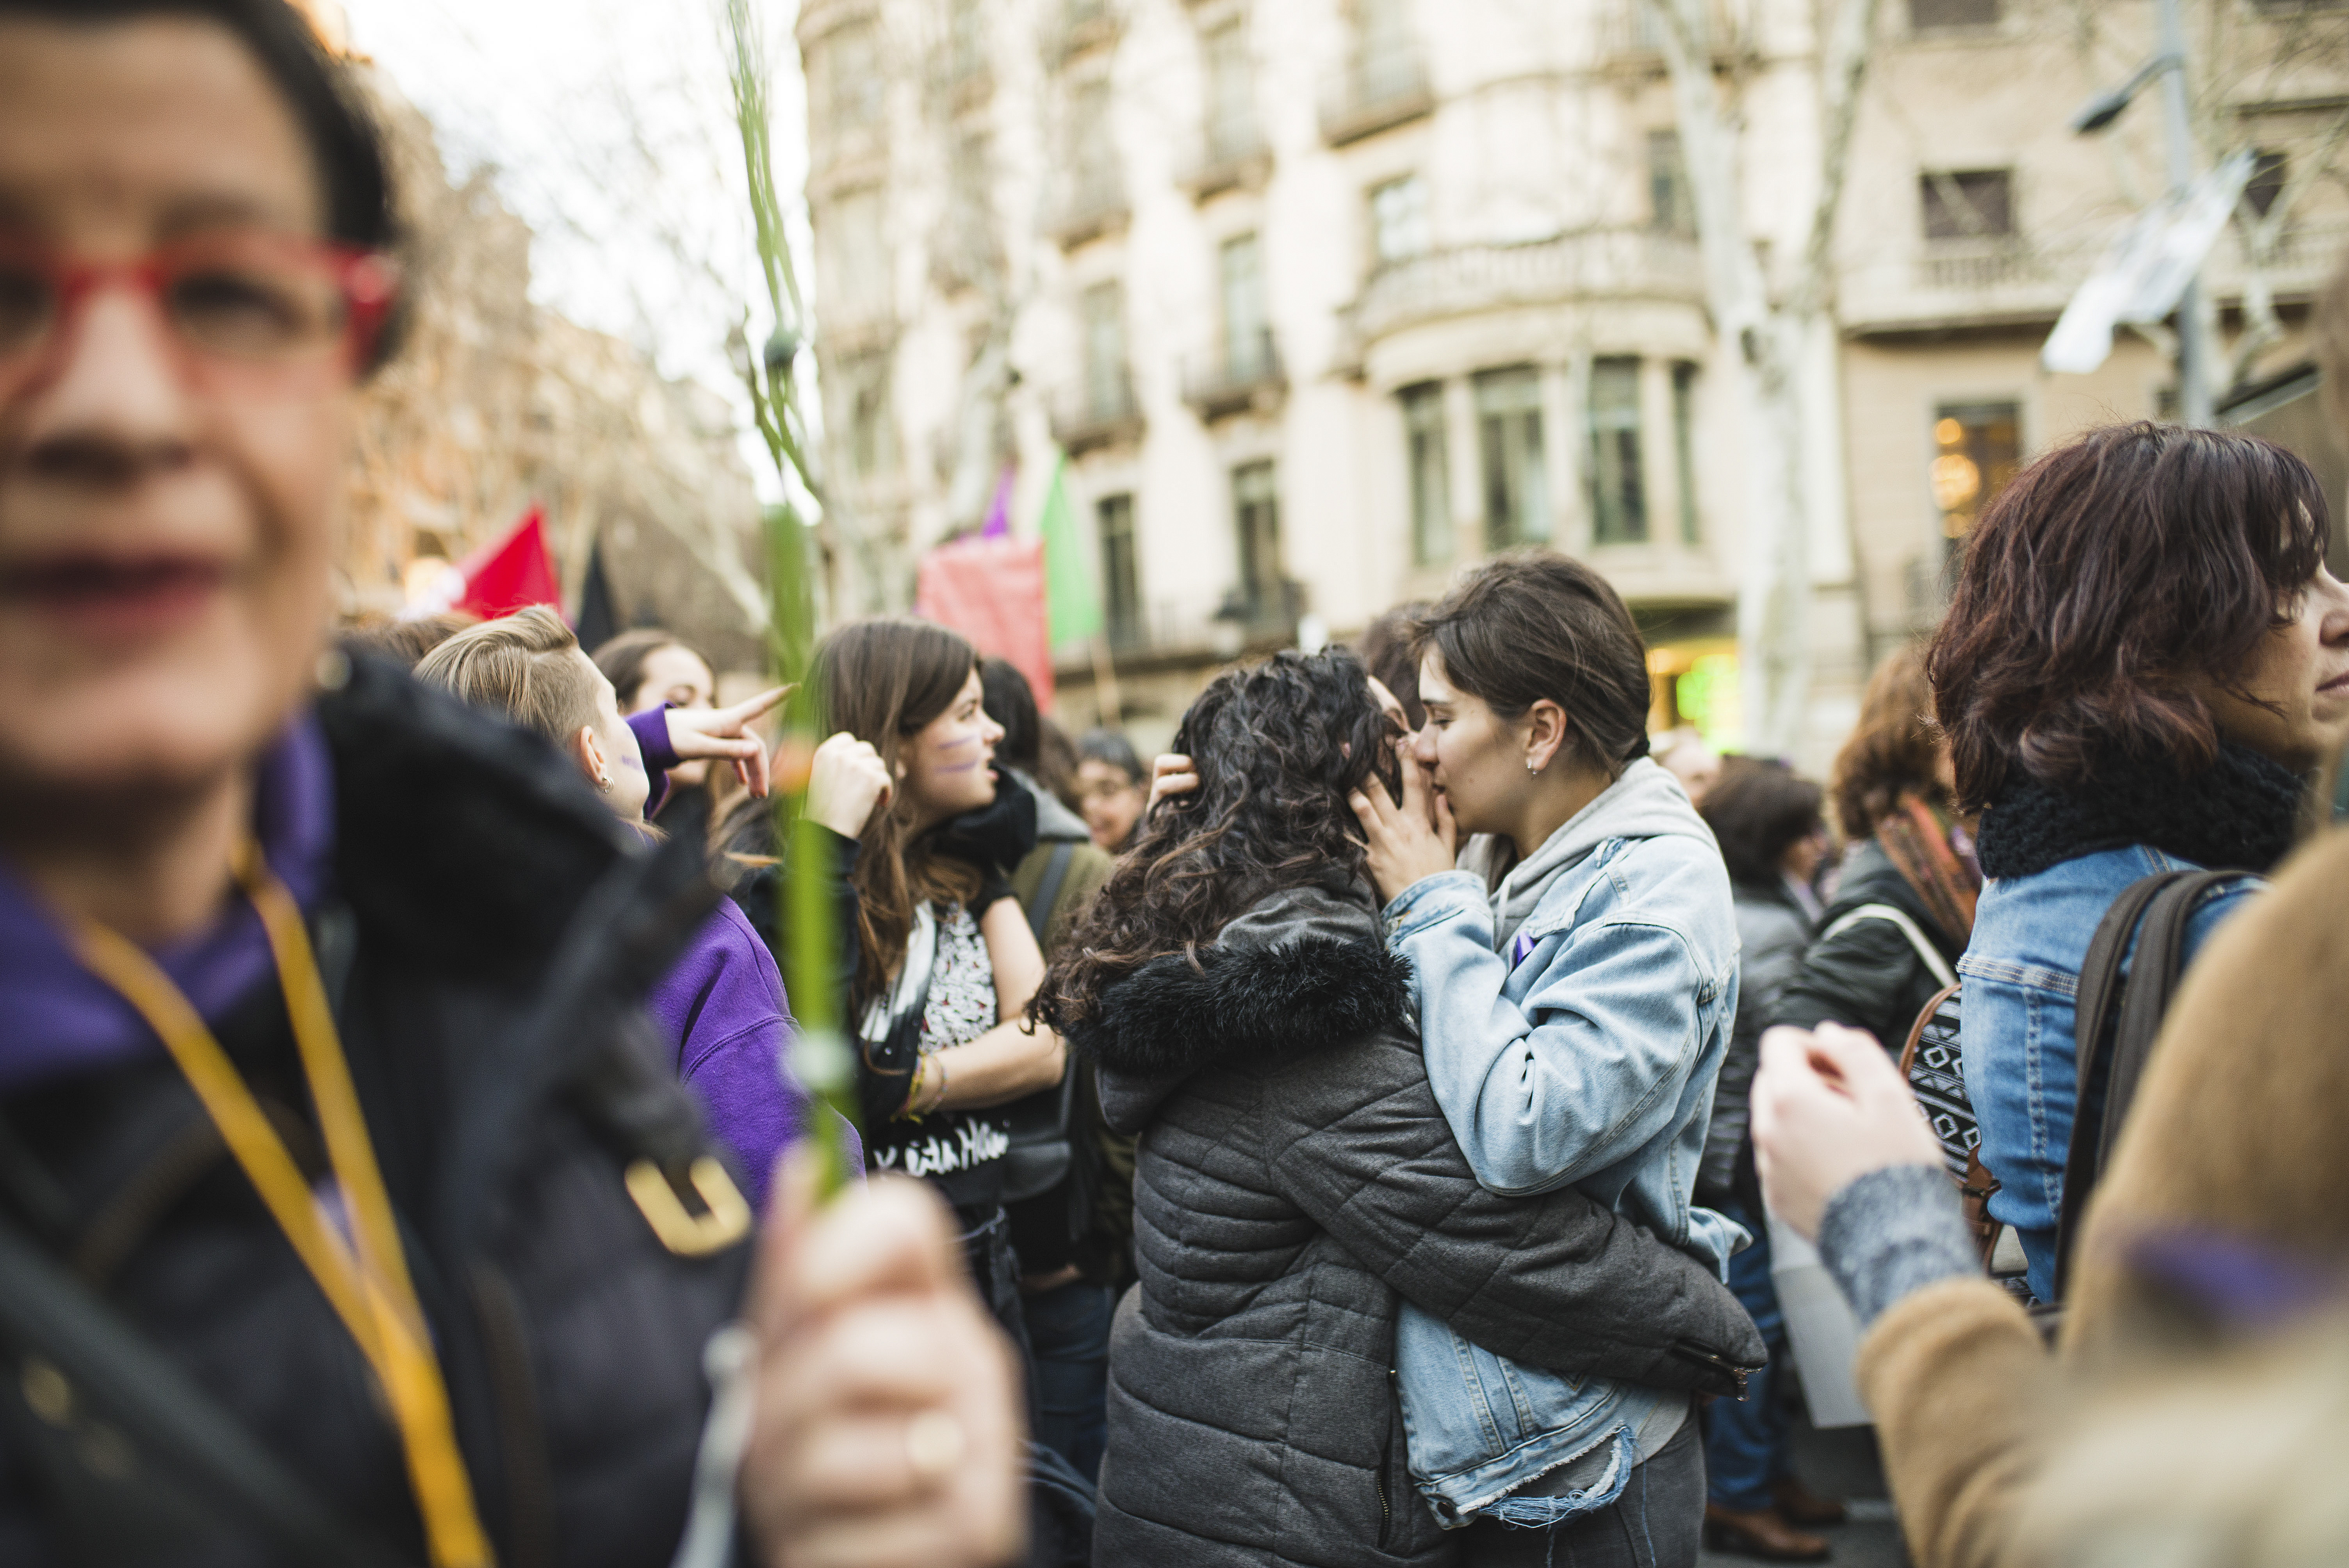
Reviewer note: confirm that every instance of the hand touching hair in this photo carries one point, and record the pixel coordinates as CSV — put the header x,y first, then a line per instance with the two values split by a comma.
x,y
1278,747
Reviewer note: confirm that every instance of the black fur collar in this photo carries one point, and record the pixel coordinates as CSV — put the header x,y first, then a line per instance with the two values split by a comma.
x,y
1305,971
2240,813
466,841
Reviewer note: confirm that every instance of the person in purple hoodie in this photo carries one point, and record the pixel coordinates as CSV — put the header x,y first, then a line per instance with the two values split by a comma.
x,y
722,1007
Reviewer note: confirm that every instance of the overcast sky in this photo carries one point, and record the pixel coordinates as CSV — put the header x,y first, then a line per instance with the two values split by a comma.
x,y
610,128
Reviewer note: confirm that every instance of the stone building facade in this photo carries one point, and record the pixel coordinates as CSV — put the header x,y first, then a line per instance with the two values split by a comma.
x,y
1324,298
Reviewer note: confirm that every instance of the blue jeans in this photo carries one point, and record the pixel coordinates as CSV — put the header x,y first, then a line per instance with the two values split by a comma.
x,y
1067,1332
1747,1444
1657,1522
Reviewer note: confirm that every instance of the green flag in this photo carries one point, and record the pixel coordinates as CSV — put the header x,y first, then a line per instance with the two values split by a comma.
x,y
1072,608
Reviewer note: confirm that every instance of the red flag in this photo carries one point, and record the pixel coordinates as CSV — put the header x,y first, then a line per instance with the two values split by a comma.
x,y
504,576
992,592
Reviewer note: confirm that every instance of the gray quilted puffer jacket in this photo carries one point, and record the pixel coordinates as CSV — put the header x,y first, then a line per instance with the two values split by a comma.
x,y
1296,1184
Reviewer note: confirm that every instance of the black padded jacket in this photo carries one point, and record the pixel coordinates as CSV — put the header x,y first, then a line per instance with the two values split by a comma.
x,y
491,931
1297,1182
1868,975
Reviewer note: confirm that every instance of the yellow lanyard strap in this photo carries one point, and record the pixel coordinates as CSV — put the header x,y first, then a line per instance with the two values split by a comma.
x,y
373,1295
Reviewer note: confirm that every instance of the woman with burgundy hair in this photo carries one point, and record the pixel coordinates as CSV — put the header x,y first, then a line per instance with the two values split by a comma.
x,y
2144,665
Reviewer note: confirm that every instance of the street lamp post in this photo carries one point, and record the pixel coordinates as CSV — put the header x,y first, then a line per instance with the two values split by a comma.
x,y
2170,65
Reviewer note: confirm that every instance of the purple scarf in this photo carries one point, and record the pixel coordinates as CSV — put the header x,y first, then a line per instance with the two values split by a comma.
x,y
62,1019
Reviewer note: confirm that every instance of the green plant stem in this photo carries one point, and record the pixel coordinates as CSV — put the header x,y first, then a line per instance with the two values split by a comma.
x,y
822,1057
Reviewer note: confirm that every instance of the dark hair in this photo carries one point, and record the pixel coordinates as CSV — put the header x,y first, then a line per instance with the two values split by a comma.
x,y
342,137
1534,624
2105,578
1278,747
1758,809
1108,746
1010,701
406,642
1386,651
883,680
1892,750
622,659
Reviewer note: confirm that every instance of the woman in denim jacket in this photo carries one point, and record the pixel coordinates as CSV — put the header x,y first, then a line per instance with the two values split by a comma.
x,y
2143,667
1577,979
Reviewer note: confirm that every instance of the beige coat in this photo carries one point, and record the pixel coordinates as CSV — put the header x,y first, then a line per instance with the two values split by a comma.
x,y
2241,1125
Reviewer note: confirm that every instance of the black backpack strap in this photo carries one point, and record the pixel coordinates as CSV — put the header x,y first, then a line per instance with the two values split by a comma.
x,y
2116,1024
136,1438
2153,980
1048,890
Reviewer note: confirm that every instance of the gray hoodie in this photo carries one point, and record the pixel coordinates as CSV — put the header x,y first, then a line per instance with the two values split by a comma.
x,y
1646,803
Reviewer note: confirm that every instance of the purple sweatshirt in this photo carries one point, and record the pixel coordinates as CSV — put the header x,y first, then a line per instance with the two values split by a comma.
x,y
722,1005
724,1012
56,1018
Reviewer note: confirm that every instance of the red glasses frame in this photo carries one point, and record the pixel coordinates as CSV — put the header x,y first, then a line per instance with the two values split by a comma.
x,y
366,280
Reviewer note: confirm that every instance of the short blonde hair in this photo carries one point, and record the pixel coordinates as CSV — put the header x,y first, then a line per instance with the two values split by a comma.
x,y
526,666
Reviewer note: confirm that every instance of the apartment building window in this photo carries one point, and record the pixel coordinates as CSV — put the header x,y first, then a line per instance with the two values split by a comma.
x,y
1671,209
1231,95
1386,54
1107,394
1978,447
862,395
1430,474
1255,515
1619,499
1968,203
856,261
848,80
965,39
2269,171
1925,15
1399,219
1121,571
1516,479
1684,445
1092,149
1248,340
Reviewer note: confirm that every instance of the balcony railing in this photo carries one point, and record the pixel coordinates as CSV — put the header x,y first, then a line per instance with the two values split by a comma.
x,y
1976,266
1595,264
1373,93
1232,154
1631,34
1235,377
1266,616
1076,26
1094,204
1098,415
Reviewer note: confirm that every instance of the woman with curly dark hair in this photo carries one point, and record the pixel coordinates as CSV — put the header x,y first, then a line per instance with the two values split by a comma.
x,y
1297,1184
2144,665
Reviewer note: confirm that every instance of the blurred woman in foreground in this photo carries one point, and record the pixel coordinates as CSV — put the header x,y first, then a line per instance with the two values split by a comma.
x,y
341,905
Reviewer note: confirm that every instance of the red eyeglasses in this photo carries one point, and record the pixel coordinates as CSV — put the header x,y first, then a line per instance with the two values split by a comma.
x,y
251,309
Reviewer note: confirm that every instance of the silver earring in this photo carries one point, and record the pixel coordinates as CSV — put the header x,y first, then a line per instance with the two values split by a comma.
x,y
604,782
1530,768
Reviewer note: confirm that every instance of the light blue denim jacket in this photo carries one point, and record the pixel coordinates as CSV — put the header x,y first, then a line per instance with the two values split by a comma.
x,y
2021,971
1573,1020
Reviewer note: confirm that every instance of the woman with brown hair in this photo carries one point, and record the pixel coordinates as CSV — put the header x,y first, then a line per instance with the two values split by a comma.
x,y
941,962
1905,907
2144,665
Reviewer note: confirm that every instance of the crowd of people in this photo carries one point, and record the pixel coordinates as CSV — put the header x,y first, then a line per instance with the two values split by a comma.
x,y
1357,1137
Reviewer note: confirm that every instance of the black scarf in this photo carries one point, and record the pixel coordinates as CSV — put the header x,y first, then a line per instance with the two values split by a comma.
x,y
2240,813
